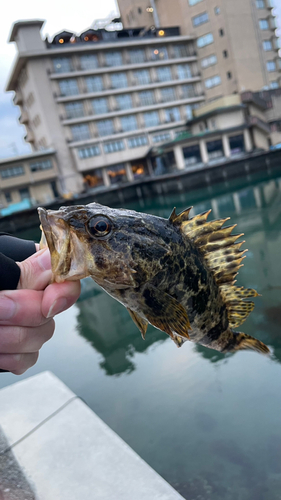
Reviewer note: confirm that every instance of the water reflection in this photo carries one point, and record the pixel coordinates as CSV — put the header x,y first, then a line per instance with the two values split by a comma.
x,y
108,327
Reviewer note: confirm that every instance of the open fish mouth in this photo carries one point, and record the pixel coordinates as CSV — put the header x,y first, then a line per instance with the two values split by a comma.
x,y
56,235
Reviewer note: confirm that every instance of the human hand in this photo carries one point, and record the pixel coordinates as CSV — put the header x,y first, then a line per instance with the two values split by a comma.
x,y
26,314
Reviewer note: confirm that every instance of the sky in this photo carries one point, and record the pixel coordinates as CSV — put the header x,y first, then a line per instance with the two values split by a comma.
x,y
59,15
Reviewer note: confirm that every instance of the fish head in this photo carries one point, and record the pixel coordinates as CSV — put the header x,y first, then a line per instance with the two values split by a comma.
x,y
110,245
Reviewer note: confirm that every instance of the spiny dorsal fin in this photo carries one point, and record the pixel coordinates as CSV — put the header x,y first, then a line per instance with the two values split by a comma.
x,y
224,258
178,219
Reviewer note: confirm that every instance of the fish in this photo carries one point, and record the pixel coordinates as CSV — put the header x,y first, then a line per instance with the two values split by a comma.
x,y
177,274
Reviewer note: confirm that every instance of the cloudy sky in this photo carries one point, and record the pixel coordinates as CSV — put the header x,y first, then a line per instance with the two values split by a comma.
x,y
59,14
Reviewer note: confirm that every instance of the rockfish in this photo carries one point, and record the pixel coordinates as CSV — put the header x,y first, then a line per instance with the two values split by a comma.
x,y
176,274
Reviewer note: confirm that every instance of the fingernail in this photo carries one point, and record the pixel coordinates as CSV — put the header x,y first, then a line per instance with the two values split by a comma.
x,y
57,307
7,308
44,260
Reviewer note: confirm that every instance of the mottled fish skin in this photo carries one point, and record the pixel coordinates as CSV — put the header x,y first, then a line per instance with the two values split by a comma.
x,y
146,263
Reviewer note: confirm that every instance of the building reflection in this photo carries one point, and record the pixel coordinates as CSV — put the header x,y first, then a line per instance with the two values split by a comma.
x,y
108,327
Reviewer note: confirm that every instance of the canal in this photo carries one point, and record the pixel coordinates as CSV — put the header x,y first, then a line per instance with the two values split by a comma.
x,y
208,423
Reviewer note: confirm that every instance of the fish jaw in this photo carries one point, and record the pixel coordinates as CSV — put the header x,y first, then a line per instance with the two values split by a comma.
x,y
67,252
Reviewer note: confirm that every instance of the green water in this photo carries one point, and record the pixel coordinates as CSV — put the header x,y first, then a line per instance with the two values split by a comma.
x,y
210,424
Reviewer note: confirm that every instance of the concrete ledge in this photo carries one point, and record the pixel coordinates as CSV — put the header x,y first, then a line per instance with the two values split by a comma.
x,y
67,451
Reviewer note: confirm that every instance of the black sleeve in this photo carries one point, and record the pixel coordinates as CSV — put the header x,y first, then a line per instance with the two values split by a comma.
x,y
12,249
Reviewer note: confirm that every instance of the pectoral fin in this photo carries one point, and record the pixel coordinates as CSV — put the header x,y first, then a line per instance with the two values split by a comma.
x,y
141,323
166,313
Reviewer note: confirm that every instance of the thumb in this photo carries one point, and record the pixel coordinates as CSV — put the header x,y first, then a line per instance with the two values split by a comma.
x,y
35,271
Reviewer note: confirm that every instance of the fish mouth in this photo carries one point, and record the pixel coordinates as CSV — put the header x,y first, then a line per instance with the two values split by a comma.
x,y
56,236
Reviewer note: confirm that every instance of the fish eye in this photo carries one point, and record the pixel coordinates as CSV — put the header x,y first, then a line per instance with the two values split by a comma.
x,y
99,226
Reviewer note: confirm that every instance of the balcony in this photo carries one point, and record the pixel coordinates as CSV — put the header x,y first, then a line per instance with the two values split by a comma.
x,y
18,99
257,122
272,23
23,118
29,137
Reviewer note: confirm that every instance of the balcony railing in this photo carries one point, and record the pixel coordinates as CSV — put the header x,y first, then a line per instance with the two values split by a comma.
x,y
255,120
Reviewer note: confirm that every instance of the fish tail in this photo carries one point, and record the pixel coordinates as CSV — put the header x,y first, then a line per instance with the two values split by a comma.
x,y
241,341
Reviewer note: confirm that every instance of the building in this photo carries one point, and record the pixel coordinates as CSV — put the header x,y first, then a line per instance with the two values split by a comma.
x,y
236,42
102,99
226,129
32,177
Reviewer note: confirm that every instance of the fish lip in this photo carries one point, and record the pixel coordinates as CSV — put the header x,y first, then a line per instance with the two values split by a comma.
x,y
59,262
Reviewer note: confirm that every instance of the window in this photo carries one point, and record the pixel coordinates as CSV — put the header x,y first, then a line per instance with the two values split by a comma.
x,y
225,53
40,165
217,10
200,19
89,61
267,45
213,81
172,115
12,172
184,71
94,83
8,197
124,101
204,40
164,136
139,140
271,66
142,76
113,147
274,85
105,127
236,144
209,61
159,53
221,32
229,75
128,123
74,109
215,149
192,155
24,194
117,173
62,64
193,2
151,119
139,10
181,51
80,132
118,80
263,24
146,97
164,74
188,112
88,152
260,4
113,59
68,87
100,106
188,90
168,94
137,56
